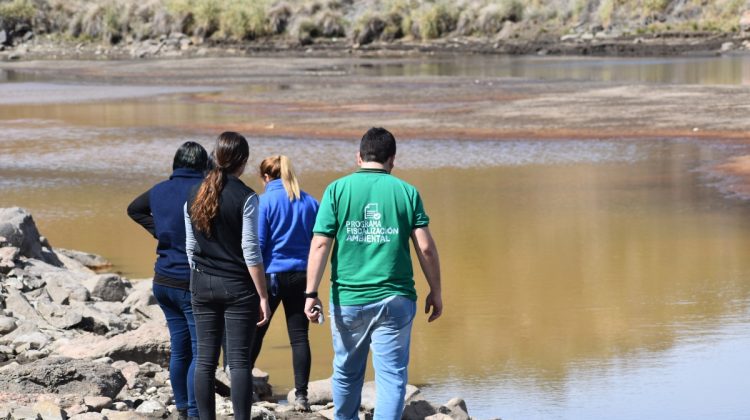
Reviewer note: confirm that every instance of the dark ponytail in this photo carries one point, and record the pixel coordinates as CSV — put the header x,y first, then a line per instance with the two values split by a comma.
x,y
230,153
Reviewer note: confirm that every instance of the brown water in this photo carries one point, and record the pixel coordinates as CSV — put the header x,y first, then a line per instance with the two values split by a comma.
x,y
582,279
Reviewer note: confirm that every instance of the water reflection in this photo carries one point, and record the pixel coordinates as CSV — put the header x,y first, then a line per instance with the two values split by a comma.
x,y
730,70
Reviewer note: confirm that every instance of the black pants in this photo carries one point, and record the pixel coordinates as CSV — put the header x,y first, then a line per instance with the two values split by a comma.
x,y
220,303
291,291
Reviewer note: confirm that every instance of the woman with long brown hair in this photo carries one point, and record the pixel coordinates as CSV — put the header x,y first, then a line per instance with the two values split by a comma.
x,y
228,284
287,216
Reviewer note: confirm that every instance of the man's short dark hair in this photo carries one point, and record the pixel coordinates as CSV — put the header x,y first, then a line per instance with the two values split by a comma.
x,y
377,145
191,155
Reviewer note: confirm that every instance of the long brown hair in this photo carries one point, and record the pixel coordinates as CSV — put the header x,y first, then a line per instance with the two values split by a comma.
x,y
280,166
230,153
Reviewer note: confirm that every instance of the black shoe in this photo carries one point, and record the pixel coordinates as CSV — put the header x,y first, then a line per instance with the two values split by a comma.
x,y
301,403
182,414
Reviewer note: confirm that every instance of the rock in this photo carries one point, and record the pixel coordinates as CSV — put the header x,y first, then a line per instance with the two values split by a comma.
x,y
318,392
123,415
8,257
88,416
148,343
140,296
744,21
7,324
108,287
151,408
456,409
73,410
368,395
31,341
63,375
4,39
49,410
73,265
130,371
727,46
65,286
97,403
418,409
439,416
568,37
17,303
92,261
98,321
56,315
19,230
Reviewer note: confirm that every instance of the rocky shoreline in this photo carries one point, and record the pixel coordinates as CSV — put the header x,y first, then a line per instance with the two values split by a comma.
x,y
77,343
587,43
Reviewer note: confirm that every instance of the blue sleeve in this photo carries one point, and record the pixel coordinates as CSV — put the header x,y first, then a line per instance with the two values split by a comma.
x,y
250,244
264,231
189,236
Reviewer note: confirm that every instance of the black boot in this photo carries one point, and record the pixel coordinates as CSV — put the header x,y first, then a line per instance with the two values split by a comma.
x,y
182,414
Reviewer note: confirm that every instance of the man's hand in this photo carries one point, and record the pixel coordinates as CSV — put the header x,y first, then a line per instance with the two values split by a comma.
x,y
265,312
434,300
312,315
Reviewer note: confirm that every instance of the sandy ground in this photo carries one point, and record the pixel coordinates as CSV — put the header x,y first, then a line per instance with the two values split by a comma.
x,y
341,97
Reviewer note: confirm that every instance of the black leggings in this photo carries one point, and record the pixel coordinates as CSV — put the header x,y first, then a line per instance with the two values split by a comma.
x,y
291,291
220,303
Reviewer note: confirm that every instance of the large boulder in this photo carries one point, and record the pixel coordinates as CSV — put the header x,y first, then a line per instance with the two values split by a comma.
x,y
318,392
148,343
19,230
63,375
91,261
108,287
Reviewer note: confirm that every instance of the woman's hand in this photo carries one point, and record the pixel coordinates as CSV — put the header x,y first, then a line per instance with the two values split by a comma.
x,y
265,312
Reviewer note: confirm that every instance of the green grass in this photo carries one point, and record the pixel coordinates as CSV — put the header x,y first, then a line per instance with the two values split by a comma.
x,y
17,11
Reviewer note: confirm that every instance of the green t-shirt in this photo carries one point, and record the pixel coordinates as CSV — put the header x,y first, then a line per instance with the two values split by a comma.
x,y
371,215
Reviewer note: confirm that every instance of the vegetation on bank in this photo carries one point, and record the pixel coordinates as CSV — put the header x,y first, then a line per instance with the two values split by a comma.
x,y
361,21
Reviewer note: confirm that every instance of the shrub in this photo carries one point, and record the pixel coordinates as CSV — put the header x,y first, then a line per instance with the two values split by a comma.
x,y
331,24
15,12
278,18
243,19
435,20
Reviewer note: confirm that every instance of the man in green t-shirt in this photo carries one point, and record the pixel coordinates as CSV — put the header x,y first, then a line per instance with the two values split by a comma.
x,y
368,218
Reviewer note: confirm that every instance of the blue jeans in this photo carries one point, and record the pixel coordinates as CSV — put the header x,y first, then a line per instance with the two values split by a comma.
x,y
220,305
175,303
384,326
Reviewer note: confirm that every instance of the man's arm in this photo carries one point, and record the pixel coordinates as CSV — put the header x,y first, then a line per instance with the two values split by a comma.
x,y
140,211
320,247
427,254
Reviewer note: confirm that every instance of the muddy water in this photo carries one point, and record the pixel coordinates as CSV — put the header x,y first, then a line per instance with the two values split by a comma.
x,y
582,279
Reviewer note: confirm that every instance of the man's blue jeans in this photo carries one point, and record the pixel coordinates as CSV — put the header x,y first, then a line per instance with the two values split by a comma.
x,y
384,326
175,303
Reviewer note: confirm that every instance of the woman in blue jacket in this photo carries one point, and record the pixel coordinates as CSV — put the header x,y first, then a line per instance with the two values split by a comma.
x,y
287,215
160,211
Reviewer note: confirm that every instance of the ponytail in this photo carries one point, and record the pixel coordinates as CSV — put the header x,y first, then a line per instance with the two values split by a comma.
x,y
288,178
280,166
206,204
230,155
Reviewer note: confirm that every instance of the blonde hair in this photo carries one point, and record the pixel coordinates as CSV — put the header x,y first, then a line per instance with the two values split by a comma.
x,y
280,166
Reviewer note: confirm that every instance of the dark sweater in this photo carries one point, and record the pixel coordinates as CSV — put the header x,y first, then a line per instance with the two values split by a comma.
x,y
160,211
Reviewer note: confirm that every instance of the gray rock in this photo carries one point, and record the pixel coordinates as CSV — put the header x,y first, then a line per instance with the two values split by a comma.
x,y
63,375
151,408
4,39
148,343
31,341
65,286
318,392
19,230
24,413
108,287
418,410
744,21
49,410
8,257
123,415
18,303
140,296
439,416
57,315
88,416
92,261
368,395
97,403
98,321
457,409
7,324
